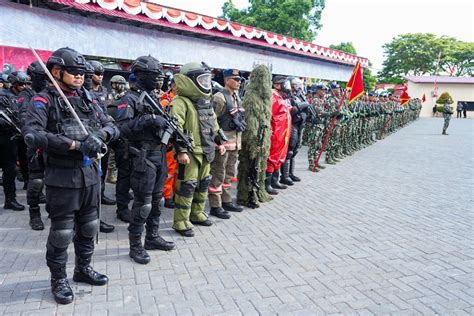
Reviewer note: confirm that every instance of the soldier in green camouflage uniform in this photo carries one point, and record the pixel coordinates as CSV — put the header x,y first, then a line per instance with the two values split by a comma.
x,y
315,124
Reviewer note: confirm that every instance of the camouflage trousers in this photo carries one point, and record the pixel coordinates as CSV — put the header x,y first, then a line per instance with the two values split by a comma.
x,y
222,171
333,141
315,134
447,118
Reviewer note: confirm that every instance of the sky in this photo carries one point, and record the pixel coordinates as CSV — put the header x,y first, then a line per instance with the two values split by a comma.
x,y
369,24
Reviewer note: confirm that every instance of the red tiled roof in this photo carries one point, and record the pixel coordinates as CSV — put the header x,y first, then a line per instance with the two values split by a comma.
x,y
146,12
440,79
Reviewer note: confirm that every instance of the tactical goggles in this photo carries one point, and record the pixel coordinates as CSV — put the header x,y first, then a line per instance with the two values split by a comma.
x,y
76,71
98,73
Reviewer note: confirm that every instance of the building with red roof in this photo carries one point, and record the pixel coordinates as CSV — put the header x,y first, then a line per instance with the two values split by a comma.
x,y
121,30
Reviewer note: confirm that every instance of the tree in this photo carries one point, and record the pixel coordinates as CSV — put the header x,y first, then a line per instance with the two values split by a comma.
x,y
445,98
425,54
299,19
346,47
369,79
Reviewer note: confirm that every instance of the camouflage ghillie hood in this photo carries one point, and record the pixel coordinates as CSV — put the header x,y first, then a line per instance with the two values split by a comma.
x,y
260,83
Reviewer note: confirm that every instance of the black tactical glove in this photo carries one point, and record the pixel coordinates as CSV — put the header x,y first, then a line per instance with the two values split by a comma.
x,y
93,144
152,120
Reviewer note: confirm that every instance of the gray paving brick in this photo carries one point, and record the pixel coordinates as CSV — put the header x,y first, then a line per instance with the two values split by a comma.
x,y
368,236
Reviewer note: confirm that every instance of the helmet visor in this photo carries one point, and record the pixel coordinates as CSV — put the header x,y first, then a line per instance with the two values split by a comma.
x,y
204,81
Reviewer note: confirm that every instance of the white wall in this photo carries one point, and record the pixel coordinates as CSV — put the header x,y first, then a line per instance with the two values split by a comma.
x,y
459,92
22,26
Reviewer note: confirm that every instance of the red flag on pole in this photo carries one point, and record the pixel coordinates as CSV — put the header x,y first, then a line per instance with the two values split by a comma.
x,y
423,99
356,84
404,98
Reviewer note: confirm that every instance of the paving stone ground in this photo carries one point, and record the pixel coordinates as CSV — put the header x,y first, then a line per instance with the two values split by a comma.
x,y
388,230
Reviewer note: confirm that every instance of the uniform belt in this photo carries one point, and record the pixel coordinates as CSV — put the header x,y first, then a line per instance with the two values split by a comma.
x,y
63,163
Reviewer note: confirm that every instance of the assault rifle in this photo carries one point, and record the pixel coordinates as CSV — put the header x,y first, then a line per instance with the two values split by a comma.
x,y
172,127
8,116
254,168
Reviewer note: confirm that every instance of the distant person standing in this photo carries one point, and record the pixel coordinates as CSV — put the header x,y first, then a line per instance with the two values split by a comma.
x,y
459,109
464,109
447,112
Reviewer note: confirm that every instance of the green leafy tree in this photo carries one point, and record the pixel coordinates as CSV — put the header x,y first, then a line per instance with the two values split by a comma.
x,y
346,47
299,19
445,98
369,79
425,54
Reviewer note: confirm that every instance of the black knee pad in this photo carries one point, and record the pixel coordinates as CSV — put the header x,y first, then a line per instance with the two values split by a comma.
x,y
203,185
144,211
35,185
187,188
89,229
60,238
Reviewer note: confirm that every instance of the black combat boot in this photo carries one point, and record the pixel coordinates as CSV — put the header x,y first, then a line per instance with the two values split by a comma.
x,y
35,218
268,184
137,252
106,228
123,214
62,291
219,212
12,204
232,207
292,171
107,201
285,174
153,240
60,287
275,183
86,274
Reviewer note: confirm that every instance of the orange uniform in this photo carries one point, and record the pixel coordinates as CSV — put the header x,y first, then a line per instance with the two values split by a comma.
x,y
170,184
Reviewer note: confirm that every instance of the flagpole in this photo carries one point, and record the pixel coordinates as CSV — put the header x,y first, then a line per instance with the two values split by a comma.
x,y
329,131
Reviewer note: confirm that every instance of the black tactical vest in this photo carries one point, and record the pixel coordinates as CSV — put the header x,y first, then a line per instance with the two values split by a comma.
x,y
226,121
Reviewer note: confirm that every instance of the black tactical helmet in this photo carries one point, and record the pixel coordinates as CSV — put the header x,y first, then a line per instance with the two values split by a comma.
x,y
35,69
200,74
89,69
147,64
66,58
97,66
18,77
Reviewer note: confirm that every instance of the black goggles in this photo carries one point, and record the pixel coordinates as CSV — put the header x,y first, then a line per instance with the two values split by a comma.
x,y
76,71
98,73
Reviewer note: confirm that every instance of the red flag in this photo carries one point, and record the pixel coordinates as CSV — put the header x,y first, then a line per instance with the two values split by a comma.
x,y
356,84
404,98
452,70
423,99
350,83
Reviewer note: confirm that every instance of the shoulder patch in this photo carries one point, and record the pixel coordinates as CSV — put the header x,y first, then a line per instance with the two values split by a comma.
x,y
41,100
122,106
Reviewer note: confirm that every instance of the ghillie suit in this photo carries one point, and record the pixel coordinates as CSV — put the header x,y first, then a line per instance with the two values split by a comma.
x,y
257,103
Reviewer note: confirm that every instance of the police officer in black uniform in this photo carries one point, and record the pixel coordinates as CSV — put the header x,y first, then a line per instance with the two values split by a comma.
x,y
141,126
72,171
34,193
123,164
93,83
298,118
8,144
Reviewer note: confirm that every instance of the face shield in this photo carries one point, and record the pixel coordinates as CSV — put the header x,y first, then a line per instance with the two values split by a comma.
x,y
204,81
